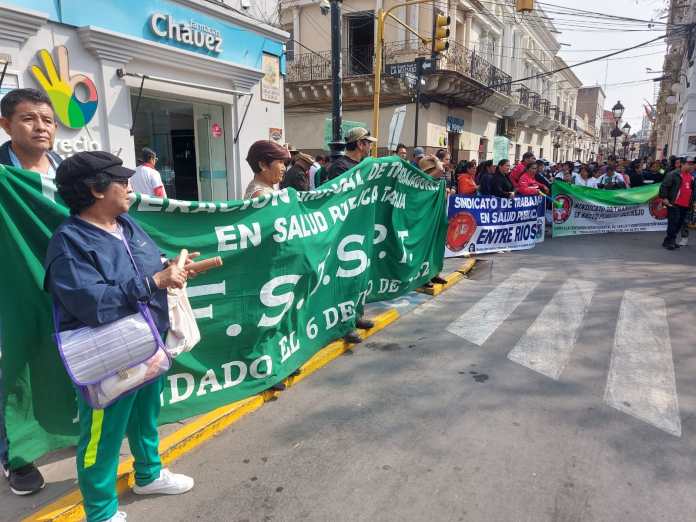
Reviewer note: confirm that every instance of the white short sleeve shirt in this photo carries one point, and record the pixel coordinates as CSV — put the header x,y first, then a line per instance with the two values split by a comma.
x,y
146,180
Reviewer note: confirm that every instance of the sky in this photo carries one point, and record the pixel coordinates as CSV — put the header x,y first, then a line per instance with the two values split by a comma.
x,y
589,42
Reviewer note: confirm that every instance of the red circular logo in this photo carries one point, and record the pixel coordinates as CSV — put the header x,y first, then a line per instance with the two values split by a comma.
x,y
657,209
216,130
562,205
460,230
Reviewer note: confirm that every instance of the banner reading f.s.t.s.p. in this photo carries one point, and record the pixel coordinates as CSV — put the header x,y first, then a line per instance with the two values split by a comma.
x,y
298,268
582,210
480,224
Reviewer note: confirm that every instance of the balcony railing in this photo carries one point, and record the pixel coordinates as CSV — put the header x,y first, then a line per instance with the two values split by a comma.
x,y
555,112
523,95
358,61
535,102
317,66
545,107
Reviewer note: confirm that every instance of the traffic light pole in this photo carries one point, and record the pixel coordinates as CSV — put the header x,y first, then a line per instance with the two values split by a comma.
x,y
419,76
379,49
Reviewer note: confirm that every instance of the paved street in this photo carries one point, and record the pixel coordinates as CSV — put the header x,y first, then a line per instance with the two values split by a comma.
x,y
554,385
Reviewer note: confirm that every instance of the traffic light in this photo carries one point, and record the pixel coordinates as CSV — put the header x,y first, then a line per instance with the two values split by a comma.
x,y
522,6
441,33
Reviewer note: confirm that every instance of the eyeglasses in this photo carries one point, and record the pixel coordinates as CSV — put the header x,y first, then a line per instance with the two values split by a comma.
x,y
120,181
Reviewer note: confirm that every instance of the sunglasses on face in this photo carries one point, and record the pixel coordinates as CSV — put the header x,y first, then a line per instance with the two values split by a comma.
x,y
120,181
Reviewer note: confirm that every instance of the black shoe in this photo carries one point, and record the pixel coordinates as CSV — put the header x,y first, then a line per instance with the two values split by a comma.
x,y
352,337
296,373
438,280
278,387
25,480
365,324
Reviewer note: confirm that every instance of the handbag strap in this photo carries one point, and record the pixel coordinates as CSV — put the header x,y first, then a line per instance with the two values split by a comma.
x,y
144,309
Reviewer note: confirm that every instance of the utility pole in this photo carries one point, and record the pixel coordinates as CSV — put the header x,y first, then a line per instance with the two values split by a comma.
x,y
337,144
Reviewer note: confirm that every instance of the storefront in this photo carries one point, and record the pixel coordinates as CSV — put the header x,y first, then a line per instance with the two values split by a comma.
x,y
191,79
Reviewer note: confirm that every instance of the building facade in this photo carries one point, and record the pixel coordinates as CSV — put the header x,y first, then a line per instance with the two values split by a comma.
x,y
487,97
674,131
181,77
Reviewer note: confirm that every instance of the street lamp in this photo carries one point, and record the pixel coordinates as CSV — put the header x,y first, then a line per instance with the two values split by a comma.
x,y
617,111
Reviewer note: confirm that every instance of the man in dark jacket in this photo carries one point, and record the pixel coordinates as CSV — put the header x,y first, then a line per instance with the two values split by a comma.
x,y
27,116
358,145
677,192
297,176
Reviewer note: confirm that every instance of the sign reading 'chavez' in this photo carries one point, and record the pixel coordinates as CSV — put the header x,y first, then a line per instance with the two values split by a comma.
x,y
581,210
479,224
298,267
192,33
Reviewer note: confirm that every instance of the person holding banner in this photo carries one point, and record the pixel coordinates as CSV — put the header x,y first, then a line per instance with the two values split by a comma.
x,y
528,185
677,192
27,117
611,180
100,266
499,184
269,161
465,174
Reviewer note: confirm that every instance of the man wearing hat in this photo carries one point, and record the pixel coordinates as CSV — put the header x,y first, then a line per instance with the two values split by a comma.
x,y
358,145
418,154
677,192
147,179
297,176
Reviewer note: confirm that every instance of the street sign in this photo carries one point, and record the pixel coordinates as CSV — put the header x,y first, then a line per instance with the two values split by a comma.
x,y
399,69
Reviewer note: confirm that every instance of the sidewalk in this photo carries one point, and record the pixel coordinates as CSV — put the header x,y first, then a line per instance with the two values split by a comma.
x,y
59,470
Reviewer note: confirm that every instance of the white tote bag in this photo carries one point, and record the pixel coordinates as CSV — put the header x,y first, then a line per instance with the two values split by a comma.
x,y
183,332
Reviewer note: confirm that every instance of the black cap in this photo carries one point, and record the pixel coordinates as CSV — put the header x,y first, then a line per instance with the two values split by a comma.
x,y
88,164
147,152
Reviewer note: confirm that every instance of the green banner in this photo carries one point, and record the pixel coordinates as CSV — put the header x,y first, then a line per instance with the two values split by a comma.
x,y
584,210
297,269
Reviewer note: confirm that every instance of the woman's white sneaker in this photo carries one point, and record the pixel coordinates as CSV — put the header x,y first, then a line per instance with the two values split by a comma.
x,y
168,483
120,516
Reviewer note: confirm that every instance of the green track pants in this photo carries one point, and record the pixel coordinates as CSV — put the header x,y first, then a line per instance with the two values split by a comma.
x,y
101,435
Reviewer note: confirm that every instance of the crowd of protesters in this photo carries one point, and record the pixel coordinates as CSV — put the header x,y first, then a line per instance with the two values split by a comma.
x,y
96,187
528,177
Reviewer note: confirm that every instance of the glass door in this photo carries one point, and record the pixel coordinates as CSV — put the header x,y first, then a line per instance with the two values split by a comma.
x,y
210,152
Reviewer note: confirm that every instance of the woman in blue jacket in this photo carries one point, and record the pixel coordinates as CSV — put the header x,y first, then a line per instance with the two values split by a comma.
x,y
92,280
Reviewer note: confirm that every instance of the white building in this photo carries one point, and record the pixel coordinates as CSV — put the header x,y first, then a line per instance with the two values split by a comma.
x,y
472,103
197,81
675,124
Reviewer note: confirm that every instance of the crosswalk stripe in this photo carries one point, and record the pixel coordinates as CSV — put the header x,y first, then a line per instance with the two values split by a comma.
x,y
547,344
478,323
641,379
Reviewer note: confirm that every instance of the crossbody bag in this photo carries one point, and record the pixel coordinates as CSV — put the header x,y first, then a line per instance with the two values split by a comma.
x,y
112,360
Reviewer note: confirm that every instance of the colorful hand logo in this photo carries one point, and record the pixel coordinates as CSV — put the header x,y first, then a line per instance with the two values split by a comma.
x,y
60,88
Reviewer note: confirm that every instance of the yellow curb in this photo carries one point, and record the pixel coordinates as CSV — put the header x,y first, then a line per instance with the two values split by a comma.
x,y
69,508
452,279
